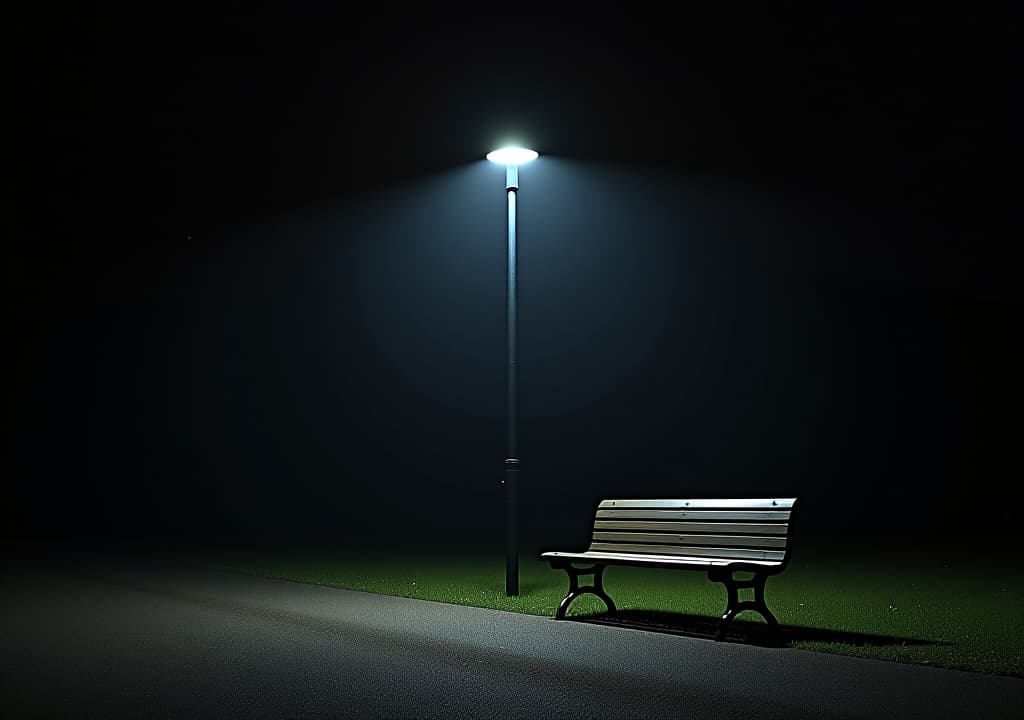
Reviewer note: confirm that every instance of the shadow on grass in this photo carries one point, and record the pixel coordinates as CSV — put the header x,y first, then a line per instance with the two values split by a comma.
x,y
748,631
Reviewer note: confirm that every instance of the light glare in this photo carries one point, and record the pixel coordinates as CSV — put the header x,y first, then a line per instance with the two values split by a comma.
x,y
512,155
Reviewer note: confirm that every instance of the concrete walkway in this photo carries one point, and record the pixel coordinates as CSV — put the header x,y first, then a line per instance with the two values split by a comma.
x,y
112,637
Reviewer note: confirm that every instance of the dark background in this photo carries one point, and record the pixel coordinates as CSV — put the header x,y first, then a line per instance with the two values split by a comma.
x,y
256,278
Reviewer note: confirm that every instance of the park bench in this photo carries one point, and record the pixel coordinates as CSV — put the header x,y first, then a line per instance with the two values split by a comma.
x,y
724,537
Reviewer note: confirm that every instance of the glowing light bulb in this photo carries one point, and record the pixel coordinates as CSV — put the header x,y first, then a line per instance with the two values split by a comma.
x,y
512,155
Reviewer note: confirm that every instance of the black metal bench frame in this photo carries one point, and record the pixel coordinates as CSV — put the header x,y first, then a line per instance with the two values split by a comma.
x,y
718,571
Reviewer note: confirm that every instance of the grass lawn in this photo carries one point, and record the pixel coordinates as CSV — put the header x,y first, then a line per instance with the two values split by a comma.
x,y
942,609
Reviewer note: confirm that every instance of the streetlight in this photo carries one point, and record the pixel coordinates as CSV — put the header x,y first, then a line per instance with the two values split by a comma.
x,y
511,158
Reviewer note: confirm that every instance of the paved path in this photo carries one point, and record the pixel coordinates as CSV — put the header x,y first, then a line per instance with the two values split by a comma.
x,y
120,638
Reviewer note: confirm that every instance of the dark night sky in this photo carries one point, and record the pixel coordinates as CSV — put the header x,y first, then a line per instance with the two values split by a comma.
x,y
773,254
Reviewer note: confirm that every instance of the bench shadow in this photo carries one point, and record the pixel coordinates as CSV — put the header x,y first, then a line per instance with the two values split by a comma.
x,y
743,631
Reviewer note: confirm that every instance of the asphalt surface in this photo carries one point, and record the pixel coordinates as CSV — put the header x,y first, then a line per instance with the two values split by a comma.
x,y
116,637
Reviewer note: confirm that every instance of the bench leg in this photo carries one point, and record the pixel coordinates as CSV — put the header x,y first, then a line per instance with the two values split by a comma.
x,y
735,606
574,586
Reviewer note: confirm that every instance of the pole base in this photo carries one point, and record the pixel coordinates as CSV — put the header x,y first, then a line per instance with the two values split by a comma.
x,y
510,484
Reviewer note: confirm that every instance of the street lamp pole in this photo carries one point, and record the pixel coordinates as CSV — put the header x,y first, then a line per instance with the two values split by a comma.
x,y
511,474
512,158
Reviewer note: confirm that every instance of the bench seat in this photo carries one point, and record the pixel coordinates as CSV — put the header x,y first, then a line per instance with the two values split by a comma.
x,y
722,536
611,558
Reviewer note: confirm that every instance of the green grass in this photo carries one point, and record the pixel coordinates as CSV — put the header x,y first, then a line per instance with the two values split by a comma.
x,y
942,610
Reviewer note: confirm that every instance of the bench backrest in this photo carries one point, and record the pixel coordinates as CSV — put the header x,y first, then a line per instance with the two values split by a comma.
x,y
721,529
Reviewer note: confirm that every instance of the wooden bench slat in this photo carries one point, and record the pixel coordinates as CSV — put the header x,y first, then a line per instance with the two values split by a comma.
x,y
714,552
750,541
683,504
685,526
631,559
757,515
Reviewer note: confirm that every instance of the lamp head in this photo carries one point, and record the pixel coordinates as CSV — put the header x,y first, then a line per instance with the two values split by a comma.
x,y
512,155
